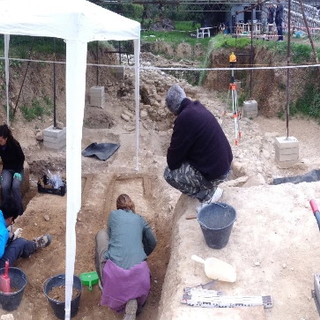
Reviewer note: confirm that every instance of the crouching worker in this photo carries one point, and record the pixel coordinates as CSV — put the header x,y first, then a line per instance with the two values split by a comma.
x,y
121,254
12,246
199,156
12,173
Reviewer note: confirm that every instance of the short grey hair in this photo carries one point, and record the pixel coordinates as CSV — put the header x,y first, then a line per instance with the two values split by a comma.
x,y
174,98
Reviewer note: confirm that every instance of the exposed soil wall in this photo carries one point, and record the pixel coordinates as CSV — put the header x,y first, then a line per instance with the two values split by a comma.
x,y
267,86
34,80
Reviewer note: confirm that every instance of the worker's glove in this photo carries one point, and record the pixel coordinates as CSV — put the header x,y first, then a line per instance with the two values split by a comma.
x,y
17,234
17,176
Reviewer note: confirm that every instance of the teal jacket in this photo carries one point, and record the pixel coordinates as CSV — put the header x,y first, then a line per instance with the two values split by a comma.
x,y
4,234
131,239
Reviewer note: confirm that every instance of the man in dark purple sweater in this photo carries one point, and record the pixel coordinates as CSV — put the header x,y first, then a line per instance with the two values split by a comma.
x,y
199,156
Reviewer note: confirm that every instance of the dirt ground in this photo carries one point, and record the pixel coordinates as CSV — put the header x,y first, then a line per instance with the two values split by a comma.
x,y
253,170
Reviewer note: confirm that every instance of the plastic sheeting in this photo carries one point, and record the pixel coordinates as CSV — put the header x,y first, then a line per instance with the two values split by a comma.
x,y
102,151
77,22
311,176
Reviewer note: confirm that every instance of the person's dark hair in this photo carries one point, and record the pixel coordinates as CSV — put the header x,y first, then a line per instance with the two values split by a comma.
x,y
9,209
124,202
5,132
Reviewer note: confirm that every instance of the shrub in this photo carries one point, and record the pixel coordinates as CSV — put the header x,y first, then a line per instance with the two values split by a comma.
x,y
309,103
38,108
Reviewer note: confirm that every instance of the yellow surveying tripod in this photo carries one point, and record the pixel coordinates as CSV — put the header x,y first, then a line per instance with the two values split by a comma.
x,y
234,100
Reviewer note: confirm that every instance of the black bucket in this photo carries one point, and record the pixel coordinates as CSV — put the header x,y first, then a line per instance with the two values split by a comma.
x,y
216,221
57,305
18,281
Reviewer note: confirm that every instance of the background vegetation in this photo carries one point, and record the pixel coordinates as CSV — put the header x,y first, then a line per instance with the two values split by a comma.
x,y
184,23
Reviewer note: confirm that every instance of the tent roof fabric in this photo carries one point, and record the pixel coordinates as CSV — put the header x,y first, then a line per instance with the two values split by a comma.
x,y
66,19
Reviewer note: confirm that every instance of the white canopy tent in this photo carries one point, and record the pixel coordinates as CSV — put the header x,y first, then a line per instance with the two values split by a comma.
x,y
77,22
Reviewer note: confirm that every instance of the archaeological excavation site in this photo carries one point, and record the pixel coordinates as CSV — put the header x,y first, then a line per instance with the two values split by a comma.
x,y
270,262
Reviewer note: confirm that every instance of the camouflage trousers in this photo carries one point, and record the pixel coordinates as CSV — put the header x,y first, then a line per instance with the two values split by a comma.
x,y
191,182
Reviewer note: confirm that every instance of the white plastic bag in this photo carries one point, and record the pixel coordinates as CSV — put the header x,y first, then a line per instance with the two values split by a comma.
x,y
55,180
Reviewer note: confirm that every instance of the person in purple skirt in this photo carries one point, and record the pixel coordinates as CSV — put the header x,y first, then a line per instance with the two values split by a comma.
x,y
121,259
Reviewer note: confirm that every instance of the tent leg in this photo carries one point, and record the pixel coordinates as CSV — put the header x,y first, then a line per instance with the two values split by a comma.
x,y
75,84
137,97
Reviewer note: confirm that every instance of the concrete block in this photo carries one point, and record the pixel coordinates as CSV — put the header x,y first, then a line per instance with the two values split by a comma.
x,y
54,138
97,91
293,156
286,142
54,145
96,102
286,151
250,109
96,96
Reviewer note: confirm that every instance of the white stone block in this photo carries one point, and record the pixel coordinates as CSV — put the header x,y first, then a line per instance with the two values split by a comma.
x,y
286,151
250,109
96,96
54,138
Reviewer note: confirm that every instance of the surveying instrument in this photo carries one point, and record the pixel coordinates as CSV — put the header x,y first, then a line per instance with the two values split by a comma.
x,y
234,100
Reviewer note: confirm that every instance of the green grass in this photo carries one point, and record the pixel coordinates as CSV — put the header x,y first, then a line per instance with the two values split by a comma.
x,y
173,37
37,109
25,46
309,103
185,31
299,52
187,26
227,41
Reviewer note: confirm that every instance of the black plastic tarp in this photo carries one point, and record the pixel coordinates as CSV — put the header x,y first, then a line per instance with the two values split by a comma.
x,y
311,176
102,151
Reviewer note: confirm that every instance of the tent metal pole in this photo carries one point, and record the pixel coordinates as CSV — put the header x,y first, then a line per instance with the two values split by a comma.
x,y
137,97
54,86
288,69
97,60
6,51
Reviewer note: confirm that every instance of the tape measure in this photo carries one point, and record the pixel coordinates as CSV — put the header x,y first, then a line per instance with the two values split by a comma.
x,y
198,297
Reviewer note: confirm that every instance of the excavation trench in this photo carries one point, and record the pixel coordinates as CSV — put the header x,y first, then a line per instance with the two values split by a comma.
x,y
45,213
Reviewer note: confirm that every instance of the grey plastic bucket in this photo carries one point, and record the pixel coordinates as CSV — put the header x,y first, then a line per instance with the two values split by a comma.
x,y
216,221
57,305
18,281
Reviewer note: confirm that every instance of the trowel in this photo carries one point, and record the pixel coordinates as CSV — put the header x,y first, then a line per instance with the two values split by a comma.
x,y
5,285
217,269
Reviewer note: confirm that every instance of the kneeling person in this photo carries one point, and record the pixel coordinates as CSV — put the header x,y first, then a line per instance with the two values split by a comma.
x,y
121,259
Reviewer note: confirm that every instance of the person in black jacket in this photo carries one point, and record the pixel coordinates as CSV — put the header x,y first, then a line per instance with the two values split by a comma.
x,y
199,156
12,167
279,19
271,10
